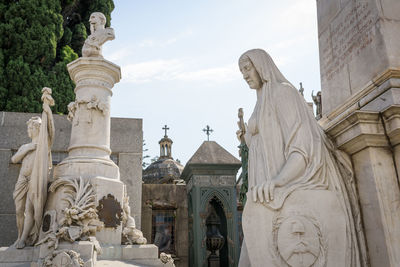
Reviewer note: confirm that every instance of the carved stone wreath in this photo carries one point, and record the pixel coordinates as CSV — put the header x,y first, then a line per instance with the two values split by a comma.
x,y
297,238
110,211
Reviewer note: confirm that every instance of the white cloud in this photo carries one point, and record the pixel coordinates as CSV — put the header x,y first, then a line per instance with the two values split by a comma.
x,y
165,42
117,54
217,74
151,70
146,43
176,70
299,16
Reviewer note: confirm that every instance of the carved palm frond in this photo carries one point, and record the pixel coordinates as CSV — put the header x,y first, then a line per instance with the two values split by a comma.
x,y
78,192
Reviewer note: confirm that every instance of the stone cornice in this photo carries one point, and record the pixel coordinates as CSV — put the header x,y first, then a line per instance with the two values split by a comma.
x,y
357,131
371,90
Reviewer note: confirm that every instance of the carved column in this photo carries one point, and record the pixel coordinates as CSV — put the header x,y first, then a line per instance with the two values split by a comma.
x,y
360,80
363,136
89,149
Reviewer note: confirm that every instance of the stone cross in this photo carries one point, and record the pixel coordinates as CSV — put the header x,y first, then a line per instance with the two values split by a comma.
x,y
208,131
165,128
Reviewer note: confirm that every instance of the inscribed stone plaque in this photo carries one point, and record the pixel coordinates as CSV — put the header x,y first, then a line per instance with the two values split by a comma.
x,y
355,46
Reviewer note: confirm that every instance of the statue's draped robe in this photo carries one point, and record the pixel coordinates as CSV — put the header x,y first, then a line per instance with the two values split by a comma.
x,y
37,192
282,124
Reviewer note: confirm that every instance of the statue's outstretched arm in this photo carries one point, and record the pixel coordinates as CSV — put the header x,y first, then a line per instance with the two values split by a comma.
x,y
22,151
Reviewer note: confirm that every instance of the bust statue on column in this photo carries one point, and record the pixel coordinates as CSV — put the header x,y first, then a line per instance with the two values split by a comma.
x,y
98,36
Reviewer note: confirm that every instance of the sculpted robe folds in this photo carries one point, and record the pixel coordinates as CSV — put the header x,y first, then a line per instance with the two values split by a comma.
x,y
312,220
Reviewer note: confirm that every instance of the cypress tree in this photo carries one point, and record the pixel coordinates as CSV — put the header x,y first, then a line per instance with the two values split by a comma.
x,y
39,38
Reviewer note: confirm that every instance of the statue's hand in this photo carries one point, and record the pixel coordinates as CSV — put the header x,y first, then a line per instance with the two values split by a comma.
x,y
239,135
263,192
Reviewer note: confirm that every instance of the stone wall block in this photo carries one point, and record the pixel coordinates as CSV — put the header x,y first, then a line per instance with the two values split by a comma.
x,y
130,165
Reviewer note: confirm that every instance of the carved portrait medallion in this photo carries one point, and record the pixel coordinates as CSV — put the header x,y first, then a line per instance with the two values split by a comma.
x,y
110,211
298,241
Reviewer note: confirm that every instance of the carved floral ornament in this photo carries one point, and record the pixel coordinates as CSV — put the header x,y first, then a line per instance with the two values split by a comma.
x,y
297,239
92,104
79,221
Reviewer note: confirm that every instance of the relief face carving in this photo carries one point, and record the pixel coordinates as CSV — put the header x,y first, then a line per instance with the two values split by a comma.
x,y
298,241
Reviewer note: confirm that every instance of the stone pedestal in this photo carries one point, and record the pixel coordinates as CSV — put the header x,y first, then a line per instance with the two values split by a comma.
x,y
109,194
322,225
112,255
29,256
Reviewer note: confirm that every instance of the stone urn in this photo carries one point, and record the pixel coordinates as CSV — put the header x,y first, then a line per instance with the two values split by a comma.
x,y
214,241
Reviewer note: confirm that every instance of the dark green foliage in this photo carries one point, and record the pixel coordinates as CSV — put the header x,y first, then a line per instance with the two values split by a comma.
x,y
39,38
79,36
244,155
67,54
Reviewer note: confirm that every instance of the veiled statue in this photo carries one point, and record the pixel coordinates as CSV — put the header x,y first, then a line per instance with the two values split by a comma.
x,y
30,192
302,207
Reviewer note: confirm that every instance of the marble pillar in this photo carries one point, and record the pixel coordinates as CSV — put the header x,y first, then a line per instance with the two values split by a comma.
x,y
362,135
360,77
89,149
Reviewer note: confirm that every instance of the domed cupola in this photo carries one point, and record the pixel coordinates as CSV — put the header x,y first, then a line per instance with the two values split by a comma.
x,y
165,170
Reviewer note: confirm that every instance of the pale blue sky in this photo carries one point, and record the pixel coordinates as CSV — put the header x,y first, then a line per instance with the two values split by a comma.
x,y
179,63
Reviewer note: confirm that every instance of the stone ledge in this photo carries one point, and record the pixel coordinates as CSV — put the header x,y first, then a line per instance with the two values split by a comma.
x,y
129,252
378,85
11,255
137,263
112,255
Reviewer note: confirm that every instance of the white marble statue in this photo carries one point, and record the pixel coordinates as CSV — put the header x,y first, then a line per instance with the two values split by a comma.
x,y
98,36
301,207
130,234
31,188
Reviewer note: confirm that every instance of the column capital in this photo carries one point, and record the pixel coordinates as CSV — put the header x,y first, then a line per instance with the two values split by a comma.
x,y
88,70
391,117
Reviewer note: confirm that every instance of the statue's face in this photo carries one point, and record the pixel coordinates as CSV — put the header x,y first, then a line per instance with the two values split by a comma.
x,y
33,130
250,74
95,20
